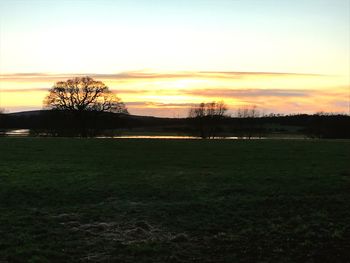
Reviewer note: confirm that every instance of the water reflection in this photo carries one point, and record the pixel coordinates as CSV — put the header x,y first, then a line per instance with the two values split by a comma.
x,y
181,137
169,137
26,133
15,132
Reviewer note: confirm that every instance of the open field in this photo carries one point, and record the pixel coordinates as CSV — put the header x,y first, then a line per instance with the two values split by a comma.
x,y
105,200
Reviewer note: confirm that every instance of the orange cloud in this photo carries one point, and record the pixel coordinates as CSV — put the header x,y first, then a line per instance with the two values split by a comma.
x,y
24,90
152,93
131,75
248,93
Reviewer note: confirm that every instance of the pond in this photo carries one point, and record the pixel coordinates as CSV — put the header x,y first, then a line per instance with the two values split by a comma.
x,y
26,133
170,137
15,132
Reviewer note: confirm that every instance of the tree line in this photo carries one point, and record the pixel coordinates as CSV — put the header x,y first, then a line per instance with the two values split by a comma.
x,y
86,107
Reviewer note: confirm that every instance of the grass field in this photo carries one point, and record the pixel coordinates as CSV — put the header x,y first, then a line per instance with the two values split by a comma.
x,y
105,200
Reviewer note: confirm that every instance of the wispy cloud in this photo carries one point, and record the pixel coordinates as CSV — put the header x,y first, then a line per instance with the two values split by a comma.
x,y
256,93
259,73
174,92
248,93
135,75
25,90
157,104
129,91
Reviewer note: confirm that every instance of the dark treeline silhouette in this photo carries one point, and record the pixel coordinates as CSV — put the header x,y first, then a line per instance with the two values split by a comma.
x,y
64,123
206,119
330,126
68,123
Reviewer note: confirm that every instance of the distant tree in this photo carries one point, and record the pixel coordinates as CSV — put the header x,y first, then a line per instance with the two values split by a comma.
x,y
249,123
1,117
82,98
83,94
207,117
248,112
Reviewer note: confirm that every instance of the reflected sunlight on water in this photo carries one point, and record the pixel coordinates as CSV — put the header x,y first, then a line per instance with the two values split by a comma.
x,y
17,132
177,137
150,137
27,132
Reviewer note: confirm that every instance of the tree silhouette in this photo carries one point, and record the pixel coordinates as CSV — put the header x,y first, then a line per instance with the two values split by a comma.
x,y
83,94
207,117
248,112
249,122
83,100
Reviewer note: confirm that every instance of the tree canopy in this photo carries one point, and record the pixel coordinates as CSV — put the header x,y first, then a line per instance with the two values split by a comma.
x,y
208,110
206,118
83,94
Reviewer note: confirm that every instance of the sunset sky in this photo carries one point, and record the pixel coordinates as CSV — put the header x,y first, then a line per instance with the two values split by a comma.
x,y
162,56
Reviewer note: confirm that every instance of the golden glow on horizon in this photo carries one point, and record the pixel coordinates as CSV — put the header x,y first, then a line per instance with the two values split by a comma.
x,y
20,98
169,94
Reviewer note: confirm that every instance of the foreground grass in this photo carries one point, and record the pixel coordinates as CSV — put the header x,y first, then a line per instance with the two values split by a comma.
x,y
105,200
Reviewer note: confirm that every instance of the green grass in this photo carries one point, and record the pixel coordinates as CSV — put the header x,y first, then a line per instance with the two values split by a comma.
x,y
105,200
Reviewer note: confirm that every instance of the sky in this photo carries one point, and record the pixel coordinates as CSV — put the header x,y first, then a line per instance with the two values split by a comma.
x,y
161,57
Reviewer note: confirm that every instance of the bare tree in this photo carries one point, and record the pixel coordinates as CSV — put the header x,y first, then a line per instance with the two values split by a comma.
x,y
82,99
83,94
207,117
211,109
248,112
249,121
